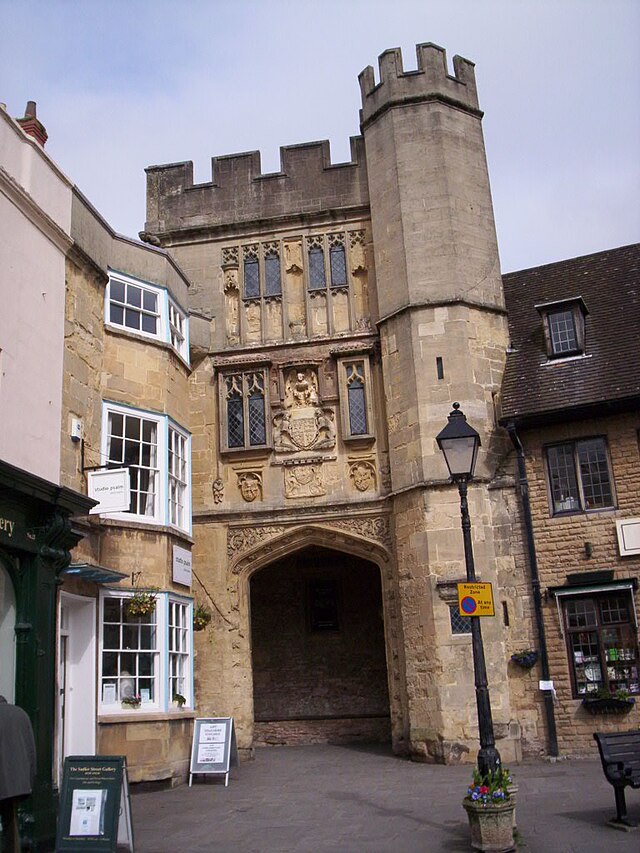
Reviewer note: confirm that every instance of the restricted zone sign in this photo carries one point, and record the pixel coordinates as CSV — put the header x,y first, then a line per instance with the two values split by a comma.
x,y
475,599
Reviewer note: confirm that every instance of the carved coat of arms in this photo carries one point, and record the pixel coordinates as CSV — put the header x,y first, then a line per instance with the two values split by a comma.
x,y
303,424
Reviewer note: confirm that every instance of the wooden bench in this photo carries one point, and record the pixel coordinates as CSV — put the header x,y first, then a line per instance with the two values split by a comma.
x,y
620,755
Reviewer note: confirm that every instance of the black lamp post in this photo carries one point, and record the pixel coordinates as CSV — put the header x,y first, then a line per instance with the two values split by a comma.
x,y
459,443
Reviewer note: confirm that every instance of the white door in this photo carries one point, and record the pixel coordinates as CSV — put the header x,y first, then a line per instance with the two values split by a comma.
x,y
76,699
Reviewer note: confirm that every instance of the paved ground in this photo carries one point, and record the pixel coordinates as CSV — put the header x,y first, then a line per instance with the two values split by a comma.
x,y
360,799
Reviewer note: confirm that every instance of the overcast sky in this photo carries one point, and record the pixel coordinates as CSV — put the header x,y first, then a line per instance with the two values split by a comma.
x,y
123,84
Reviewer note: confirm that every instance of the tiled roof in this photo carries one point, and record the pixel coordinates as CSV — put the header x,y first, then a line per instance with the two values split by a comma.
x,y
536,388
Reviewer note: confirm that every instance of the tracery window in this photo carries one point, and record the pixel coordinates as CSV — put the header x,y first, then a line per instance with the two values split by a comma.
x,y
355,398
245,409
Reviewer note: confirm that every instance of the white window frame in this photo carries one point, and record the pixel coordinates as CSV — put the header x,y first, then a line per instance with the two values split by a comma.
x,y
172,321
165,427
164,694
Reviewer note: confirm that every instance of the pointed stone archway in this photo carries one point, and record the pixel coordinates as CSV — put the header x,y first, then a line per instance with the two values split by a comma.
x,y
277,553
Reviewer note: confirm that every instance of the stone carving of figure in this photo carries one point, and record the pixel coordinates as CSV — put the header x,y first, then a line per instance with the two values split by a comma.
x,y
326,429
302,389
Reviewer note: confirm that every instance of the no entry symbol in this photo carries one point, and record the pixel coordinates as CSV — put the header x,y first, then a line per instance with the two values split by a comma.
x,y
468,605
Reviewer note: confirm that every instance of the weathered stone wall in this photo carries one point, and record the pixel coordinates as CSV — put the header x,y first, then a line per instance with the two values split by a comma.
x,y
560,548
156,749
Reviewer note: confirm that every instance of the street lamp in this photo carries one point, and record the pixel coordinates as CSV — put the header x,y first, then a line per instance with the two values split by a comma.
x,y
459,443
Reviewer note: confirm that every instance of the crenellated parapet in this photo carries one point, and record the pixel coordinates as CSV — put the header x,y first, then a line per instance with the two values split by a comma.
x,y
307,183
431,81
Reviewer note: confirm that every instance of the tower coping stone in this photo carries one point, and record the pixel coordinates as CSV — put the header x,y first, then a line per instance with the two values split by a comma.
x,y
431,81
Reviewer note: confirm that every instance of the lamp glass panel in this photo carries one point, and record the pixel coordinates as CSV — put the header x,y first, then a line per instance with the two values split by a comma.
x,y
460,454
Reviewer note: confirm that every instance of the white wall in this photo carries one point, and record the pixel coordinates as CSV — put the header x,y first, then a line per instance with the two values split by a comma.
x,y
35,219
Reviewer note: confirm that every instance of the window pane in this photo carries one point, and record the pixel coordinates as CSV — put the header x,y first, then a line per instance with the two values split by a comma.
x,y
564,486
116,291
581,613
273,286
338,266
257,428
459,624
132,319
563,332
149,324
594,472
316,268
235,423
149,301
134,296
116,314
251,278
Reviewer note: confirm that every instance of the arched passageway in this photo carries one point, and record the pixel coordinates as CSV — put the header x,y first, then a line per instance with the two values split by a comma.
x,y
319,666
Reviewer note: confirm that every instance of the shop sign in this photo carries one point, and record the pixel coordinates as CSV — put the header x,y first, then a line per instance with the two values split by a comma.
x,y
182,566
110,487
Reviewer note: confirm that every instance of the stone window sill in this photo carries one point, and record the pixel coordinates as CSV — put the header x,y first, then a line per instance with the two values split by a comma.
x,y
144,717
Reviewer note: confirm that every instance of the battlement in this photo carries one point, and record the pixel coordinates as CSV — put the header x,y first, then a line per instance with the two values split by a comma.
x,y
431,81
307,183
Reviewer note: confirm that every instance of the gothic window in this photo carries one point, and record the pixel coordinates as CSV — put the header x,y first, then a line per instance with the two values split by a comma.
x,y
355,398
251,274
338,264
245,409
272,278
317,280
579,476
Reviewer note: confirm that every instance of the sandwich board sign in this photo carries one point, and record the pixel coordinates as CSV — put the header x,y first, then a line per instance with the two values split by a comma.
x,y
214,747
95,806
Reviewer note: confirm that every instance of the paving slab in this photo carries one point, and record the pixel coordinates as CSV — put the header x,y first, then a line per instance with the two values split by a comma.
x,y
363,799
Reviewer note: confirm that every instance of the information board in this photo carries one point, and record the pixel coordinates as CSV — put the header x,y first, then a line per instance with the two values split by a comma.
x,y
95,806
214,747
475,599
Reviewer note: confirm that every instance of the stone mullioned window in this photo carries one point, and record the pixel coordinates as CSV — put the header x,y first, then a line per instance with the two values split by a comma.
x,y
243,406
579,476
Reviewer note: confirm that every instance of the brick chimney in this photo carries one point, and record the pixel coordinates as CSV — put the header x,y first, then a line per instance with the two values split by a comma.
x,y
31,125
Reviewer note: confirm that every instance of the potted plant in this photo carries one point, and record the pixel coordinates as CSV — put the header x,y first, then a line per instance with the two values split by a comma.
x,y
130,703
142,603
603,701
201,617
526,658
178,700
490,807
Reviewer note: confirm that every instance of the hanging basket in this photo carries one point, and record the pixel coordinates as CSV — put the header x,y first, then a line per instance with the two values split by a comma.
x,y
141,604
201,618
608,705
525,659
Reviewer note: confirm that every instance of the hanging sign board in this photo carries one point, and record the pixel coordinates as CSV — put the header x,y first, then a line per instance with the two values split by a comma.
x,y
214,747
111,487
182,566
475,599
95,806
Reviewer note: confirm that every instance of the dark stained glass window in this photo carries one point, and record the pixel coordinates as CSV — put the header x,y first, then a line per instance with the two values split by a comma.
x,y
251,278
272,281
356,400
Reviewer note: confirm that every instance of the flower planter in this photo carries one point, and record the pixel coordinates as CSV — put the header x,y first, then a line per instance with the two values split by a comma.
x,y
608,705
491,825
525,659
126,706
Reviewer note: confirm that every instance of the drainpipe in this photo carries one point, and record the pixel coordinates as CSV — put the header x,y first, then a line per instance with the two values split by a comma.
x,y
535,586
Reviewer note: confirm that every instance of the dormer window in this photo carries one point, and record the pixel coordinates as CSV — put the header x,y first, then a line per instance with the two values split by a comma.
x,y
563,327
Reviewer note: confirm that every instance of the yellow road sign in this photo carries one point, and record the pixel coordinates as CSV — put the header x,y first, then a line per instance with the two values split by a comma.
x,y
475,599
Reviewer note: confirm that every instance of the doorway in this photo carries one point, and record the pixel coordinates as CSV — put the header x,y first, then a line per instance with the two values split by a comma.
x,y
76,681
318,647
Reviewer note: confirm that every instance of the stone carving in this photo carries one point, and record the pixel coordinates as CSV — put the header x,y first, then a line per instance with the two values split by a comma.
x,y
230,280
356,255
230,257
303,424
303,481
232,306
336,239
250,485
248,537
250,252
370,528
363,474
218,491
293,257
